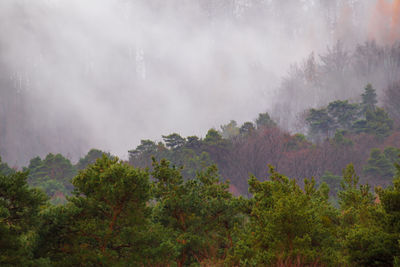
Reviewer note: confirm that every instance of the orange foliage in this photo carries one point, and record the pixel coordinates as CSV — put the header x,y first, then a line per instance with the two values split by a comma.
x,y
385,22
395,33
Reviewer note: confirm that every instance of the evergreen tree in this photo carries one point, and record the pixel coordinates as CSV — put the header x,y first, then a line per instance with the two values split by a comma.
x,y
369,98
333,181
264,120
247,128
213,137
141,156
19,218
376,122
320,122
343,114
380,165
5,169
287,224
199,214
174,141
90,158
105,222
52,174
365,242
229,130
340,140
193,142
353,195
145,147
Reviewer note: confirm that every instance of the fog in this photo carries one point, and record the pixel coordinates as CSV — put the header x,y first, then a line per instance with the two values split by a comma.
x,y
77,74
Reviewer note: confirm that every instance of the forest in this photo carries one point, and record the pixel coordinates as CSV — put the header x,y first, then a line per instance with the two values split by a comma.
x,y
119,215
248,195
311,180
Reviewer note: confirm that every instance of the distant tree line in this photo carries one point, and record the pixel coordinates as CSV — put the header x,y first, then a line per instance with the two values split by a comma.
x,y
339,73
344,131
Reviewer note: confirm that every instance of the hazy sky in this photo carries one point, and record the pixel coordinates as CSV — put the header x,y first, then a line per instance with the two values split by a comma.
x,y
112,72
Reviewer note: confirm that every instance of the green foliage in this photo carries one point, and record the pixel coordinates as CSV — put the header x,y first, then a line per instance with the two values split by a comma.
x,y
341,140
319,121
287,224
338,115
51,187
19,210
369,98
229,130
376,122
5,169
370,246
343,114
145,147
390,200
264,120
186,216
214,142
90,158
352,195
247,128
365,241
193,142
141,156
213,137
117,217
199,213
174,141
364,117
381,164
52,174
193,163
333,181
190,153
105,221
296,142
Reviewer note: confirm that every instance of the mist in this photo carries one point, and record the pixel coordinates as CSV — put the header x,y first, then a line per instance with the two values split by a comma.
x,y
107,73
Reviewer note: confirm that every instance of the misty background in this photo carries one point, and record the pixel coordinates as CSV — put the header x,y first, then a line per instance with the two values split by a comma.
x,y
107,73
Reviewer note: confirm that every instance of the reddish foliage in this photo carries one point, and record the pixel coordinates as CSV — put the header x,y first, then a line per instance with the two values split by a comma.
x,y
252,154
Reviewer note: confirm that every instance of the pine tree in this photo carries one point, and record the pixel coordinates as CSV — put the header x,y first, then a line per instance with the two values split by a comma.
x,y
105,223
369,98
19,218
264,120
